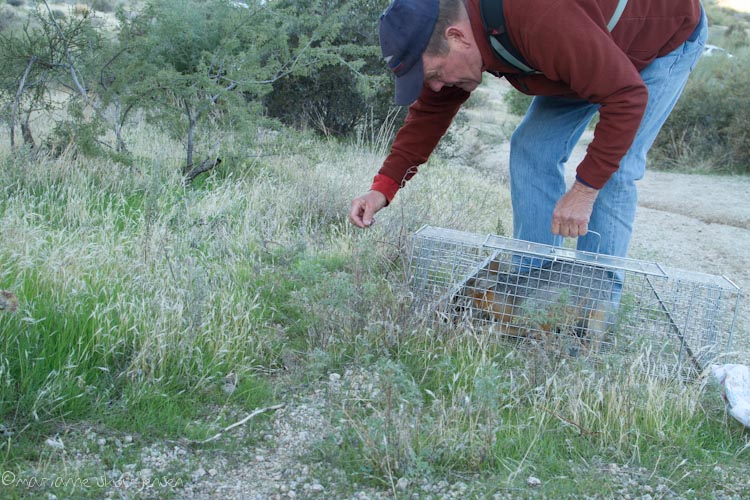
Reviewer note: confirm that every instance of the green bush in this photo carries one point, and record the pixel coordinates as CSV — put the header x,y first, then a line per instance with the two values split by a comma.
x,y
8,17
327,100
103,5
518,103
708,129
343,84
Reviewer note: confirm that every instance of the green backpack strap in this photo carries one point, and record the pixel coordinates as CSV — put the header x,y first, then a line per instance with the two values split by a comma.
x,y
493,20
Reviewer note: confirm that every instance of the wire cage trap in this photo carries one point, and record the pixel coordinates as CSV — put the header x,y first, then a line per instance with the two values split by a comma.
x,y
572,303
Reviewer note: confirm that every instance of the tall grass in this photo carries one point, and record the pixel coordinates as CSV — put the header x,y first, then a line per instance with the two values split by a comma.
x,y
138,296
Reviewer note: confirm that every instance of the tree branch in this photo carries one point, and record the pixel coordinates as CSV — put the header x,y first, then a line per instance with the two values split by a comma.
x,y
194,171
237,424
14,111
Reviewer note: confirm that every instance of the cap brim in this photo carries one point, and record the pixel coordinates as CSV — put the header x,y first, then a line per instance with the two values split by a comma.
x,y
409,85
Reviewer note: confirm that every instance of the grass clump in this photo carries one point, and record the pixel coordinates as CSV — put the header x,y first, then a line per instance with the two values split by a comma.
x,y
450,406
707,131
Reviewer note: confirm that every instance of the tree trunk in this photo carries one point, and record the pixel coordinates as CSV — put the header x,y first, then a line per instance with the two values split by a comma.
x,y
28,138
17,101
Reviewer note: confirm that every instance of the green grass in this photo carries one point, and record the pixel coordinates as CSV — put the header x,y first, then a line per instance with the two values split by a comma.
x,y
139,296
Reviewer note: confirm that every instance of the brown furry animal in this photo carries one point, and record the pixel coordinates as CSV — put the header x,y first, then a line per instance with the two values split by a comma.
x,y
560,299
8,301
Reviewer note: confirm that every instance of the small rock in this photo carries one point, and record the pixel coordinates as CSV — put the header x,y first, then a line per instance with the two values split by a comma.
x,y
317,487
128,439
402,483
534,481
212,472
334,377
101,441
199,473
55,443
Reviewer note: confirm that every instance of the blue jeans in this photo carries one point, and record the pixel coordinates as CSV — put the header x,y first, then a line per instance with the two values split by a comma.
x,y
543,141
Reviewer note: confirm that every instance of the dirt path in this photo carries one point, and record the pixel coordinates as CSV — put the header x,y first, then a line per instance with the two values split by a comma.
x,y
699,223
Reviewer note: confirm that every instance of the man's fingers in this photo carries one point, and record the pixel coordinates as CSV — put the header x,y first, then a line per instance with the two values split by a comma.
x,y
362,213
356,213
369,215
572,213
569,229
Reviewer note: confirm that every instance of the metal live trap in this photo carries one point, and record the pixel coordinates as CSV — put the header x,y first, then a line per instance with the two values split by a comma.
x,y
572,303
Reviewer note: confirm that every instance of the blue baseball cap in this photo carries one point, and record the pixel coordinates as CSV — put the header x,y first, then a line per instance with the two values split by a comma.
x,y
406,27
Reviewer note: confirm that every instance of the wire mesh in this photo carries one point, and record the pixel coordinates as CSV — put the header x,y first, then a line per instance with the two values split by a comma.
x,y
574,304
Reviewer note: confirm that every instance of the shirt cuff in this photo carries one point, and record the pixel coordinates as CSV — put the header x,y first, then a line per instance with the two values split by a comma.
x,y
386,185
579,179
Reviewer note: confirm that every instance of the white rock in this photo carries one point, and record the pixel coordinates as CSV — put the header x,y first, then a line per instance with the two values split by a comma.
x,y
402,483
534,481
55,443
199,473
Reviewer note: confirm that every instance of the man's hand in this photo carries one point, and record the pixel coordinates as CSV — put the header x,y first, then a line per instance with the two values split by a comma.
x,y
364,208
573,211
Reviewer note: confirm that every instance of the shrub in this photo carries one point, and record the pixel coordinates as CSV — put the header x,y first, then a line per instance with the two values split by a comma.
x,y
518,103
708,127
343,84
103,5
15,3
330,101
8,17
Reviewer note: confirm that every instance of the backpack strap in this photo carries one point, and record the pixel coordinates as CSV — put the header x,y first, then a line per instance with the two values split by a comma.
x,y
616,16
493,19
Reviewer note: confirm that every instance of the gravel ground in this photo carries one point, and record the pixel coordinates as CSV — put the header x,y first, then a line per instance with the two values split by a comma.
x,y
280,467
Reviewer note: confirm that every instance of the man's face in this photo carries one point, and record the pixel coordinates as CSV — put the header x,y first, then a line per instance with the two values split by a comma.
x,y
461,67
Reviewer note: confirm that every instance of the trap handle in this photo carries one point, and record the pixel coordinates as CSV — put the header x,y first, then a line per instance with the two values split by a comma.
x,y
487,243
598,241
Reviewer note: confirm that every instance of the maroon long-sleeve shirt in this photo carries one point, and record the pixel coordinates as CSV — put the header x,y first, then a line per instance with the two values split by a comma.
x,y
568,42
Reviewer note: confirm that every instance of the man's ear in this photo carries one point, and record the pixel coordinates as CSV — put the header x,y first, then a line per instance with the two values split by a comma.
x,y
456,34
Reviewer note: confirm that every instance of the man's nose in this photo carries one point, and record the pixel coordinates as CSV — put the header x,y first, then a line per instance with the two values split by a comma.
x,y
435,86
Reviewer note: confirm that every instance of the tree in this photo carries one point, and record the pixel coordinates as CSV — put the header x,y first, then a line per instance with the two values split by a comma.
x,y
204,63
37,60
344,83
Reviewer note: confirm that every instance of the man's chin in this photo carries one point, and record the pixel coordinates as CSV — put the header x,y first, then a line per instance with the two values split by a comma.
x,y
469,86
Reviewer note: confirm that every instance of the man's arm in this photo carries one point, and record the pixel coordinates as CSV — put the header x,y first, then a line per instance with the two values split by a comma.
x,y
569,45
426,123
